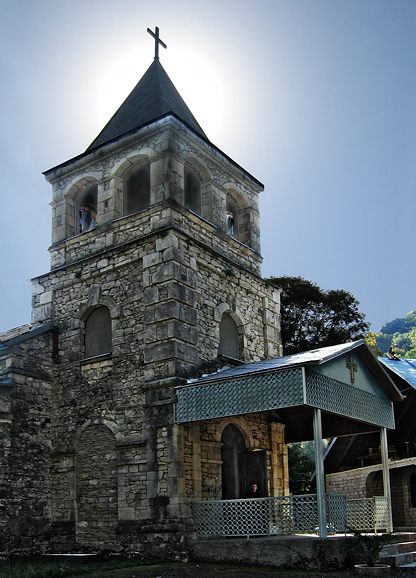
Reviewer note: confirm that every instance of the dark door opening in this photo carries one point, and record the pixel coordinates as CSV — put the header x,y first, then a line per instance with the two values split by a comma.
x,y
255,468
241,468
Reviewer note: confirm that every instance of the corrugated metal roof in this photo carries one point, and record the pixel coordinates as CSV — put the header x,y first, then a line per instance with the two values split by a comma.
x,y
404,368
314,357
307,358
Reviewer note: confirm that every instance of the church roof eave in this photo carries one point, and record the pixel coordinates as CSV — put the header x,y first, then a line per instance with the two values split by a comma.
x,y
139,128
292,388
23,333
153,99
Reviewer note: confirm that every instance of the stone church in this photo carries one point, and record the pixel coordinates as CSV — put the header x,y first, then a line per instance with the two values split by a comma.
x,y
155,280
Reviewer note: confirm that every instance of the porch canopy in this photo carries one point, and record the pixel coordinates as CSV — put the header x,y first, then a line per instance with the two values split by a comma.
x,y
328,392
345,381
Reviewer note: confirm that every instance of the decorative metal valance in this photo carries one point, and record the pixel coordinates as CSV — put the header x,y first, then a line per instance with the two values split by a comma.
x,y
346,400
278,390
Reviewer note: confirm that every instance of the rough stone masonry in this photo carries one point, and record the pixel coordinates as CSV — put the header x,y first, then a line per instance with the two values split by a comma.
x,y
91,457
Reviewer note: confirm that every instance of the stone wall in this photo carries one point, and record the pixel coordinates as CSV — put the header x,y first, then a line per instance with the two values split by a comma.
x,y
119,473
166,293
290,556
25,443
352,483
368,482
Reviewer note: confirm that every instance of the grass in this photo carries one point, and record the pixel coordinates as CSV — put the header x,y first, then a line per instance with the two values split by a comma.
x,y
126,568
33,569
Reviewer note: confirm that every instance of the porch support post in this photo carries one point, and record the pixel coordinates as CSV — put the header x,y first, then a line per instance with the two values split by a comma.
x,y
386,473
320,479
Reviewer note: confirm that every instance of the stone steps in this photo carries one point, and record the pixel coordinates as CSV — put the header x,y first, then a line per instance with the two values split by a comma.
x,y
411,566
401,554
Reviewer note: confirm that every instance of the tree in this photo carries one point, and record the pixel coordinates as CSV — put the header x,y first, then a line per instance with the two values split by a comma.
x,y
400,325
301,468
312,317
371,341
400,334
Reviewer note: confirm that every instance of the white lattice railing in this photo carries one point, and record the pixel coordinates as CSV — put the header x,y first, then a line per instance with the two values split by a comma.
x,y
268,516
369,514
287,515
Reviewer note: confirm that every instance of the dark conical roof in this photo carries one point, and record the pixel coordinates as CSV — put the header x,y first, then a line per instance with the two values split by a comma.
x,y
153,97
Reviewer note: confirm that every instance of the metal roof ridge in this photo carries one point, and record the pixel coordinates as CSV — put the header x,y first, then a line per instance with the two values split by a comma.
x,y
349,346
244,370
216,377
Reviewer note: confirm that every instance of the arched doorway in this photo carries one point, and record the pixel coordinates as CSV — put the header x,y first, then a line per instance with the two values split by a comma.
x,y
96,480
240,468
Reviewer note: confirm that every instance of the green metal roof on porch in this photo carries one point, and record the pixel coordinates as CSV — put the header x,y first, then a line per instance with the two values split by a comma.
x,y
345,381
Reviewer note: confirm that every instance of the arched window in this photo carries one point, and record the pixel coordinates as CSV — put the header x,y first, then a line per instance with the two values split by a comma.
x,y
137,190
87,210
192,192
232,225
98,332
229,339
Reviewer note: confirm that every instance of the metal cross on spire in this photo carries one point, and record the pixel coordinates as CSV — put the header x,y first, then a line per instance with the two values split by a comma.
x,y
157,41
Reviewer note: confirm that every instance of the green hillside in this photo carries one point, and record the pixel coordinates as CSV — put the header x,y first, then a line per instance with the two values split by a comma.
x,y
400,334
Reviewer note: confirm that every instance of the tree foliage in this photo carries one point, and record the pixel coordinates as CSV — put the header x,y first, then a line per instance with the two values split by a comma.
x,y
301,468
312,317
371,340
400,334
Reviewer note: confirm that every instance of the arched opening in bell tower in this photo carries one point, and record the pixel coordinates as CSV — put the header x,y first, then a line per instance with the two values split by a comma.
x,y
193,200
232,225
137,190
86,210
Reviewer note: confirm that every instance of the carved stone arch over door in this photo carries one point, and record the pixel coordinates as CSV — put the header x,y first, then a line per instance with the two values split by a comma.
x,y
232,456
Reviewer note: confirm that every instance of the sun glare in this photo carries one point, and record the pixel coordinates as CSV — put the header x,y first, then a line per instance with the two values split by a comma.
x,y
118,77
202,86
197,77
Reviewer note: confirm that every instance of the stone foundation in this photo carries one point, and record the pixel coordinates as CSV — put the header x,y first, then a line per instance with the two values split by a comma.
x,y
284,552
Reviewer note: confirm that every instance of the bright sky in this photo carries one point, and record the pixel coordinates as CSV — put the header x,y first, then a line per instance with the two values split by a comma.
x,y
315,98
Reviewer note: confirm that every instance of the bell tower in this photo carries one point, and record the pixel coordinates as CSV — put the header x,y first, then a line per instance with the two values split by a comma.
x,y
155,279
153,194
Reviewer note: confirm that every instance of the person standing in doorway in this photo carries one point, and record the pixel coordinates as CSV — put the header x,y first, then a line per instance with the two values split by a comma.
x,y
253,492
